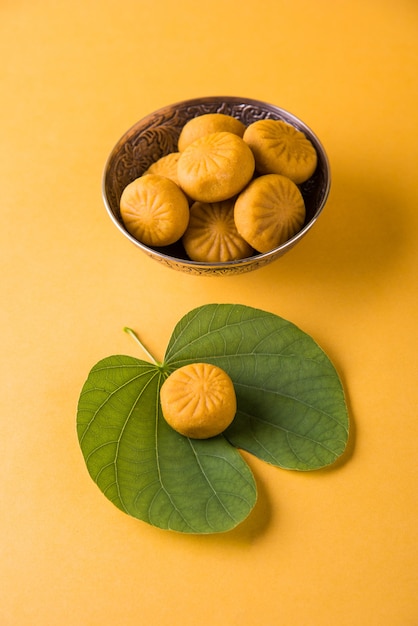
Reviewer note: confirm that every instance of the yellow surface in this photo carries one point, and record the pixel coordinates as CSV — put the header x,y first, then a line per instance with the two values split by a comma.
x,y
336,547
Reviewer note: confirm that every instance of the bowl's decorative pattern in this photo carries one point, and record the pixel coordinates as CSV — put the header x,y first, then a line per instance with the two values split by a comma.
x,y
157,134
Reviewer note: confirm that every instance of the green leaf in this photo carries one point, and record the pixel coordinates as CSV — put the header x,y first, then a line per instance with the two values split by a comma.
x,y
291,406
291,413
147,469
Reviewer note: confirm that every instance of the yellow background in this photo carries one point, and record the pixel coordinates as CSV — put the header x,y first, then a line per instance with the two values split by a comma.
x,y
334,547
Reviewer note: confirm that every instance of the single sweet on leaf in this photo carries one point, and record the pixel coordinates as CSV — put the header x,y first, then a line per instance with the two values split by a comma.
x,y
291,412
198,400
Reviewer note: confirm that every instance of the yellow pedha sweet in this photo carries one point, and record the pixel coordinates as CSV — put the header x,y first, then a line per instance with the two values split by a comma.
x,y
212,236
166,166
215,167
154,210
280,148
269,212
205,125
198,400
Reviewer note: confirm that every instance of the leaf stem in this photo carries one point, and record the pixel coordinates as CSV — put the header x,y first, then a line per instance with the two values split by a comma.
x,y
133,334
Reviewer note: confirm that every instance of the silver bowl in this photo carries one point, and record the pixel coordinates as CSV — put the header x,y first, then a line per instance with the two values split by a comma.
x,y
156,135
